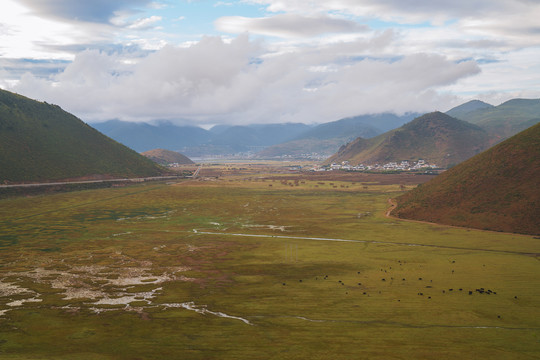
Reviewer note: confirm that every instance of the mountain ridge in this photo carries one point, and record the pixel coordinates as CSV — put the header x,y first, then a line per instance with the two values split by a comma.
x,y
40,141
435,137
504,120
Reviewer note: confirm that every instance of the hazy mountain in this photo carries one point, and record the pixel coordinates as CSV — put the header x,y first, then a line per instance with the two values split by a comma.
x,y
328,137
166,157
256,135
504,120
468,107
497,189
434,137
195,141
143,137
40,141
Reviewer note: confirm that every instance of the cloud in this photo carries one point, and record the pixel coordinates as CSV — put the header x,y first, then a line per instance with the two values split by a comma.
x,y
288,25
511,19
145,23
98,11
241,81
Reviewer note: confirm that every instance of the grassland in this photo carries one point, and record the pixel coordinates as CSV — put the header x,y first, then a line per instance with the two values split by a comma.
x,y
257,267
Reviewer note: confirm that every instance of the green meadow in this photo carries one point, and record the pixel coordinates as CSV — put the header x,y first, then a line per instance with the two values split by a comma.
x,y
238,268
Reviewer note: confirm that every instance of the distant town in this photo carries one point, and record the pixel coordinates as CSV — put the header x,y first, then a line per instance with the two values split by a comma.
x,y
404,165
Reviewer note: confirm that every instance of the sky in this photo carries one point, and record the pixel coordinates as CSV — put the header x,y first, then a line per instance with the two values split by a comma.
x,y
202,62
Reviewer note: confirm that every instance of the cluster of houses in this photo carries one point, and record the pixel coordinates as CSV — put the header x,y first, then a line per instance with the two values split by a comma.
x,y
404,165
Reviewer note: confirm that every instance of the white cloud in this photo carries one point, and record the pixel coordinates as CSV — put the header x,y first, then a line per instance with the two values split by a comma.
x,y
508,20
318,62
288,25
145,23
96,11
214,81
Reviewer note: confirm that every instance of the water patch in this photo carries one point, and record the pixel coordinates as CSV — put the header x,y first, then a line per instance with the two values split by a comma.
x,y
124,233
270,227
202,309
9,289
22,301
126,299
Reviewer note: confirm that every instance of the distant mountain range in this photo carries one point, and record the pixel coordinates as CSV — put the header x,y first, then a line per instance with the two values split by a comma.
x,y
325,139
444,139
495,190
143,137
268,140
195,141
434,137
40,141
166,157
501,121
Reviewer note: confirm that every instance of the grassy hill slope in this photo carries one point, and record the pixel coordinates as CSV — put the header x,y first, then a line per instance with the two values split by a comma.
x,y
504,120
498,189
467,108
328,137
434,137
165,157
40,141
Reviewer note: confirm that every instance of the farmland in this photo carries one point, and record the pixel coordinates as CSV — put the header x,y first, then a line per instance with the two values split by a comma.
x,y
253,264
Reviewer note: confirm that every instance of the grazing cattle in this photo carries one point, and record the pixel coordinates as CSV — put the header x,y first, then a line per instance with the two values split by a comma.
x,y
470,292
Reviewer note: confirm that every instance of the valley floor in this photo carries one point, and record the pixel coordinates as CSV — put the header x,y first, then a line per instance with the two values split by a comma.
x,y
255,264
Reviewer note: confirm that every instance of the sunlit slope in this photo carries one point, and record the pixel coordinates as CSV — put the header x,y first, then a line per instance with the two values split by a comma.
x,y
498,189
164,157
40,141
434,137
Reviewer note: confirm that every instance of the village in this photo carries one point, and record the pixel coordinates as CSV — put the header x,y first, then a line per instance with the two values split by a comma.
x,y
404,165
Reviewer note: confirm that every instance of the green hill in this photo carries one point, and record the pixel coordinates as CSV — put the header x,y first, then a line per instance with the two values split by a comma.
x,y
40,141
165,157
504,120
467,108
498,189
325,139
434,137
